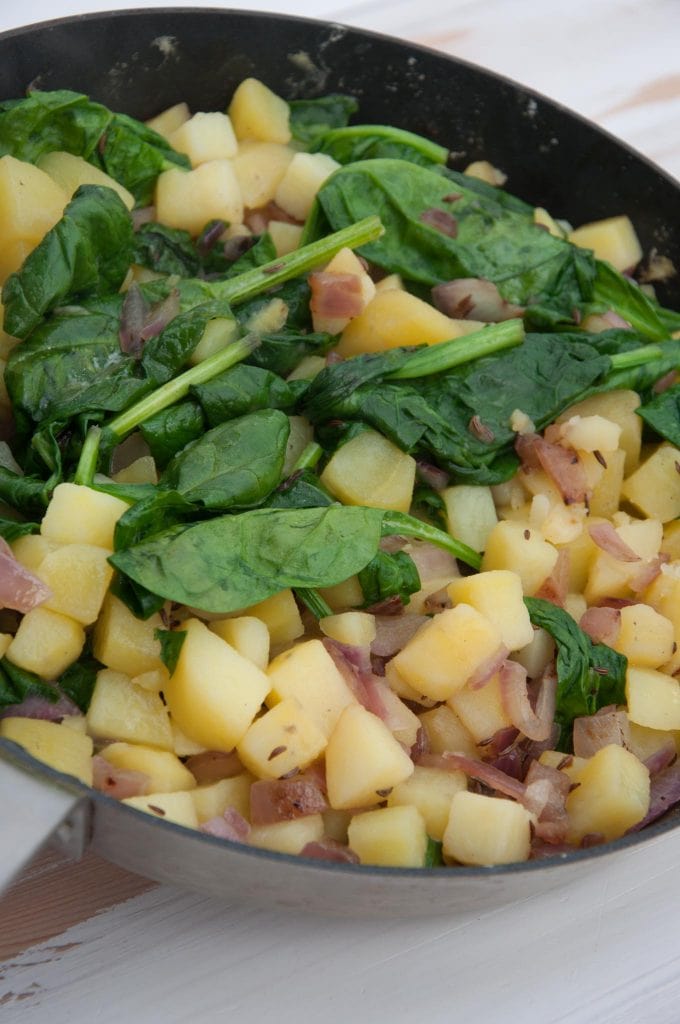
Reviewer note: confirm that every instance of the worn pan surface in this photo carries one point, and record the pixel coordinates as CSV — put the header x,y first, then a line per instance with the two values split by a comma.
x,y
143,61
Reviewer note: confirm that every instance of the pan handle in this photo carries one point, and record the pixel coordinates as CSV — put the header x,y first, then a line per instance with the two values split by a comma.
x,y
34,811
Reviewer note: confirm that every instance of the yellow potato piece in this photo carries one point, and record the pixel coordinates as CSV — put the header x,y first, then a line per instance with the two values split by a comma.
x,y
58,746
370,470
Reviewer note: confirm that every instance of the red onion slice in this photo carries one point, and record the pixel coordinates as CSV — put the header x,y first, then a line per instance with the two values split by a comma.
x,y
488,668
608,540
335,295
535,724
474,298
329,849
479,770
213,765
662,758
119,783
392,632
19,588
592,732
273,800
601,624
41,708
232,826
555,587
561,464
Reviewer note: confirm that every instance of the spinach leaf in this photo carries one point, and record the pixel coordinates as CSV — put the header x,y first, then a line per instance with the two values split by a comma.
x,y
141,602
529,266
86,253
16,684
171,642
614,291
235,465
377,141
78,681
389,575
296,294
589,675
29,494
70,365
433,854
45,121
263,251
244,389
311,119
166,354
170,430
489,192
283,351
234,561
152,514
301,490
135,155
662,414
165,250
11,529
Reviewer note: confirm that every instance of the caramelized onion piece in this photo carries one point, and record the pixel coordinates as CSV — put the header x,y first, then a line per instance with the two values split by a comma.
x,y
335,295
474,298
273,800
119,783
19,588
608,540
601,624
535,724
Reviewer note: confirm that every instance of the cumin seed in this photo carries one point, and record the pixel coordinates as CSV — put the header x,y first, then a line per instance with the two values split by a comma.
x,y
276,751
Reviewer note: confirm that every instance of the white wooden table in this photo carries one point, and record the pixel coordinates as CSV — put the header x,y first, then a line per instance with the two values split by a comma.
x,y
87,942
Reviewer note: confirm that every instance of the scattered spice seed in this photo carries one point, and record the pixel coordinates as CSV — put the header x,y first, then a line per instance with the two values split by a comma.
x,y
290,774
385,792
156,809
601,459
276,751
527,534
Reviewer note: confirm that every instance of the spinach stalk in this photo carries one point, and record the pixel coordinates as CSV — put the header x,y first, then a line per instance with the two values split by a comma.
x,y
447,354
89,455
308,457
313,600
408,526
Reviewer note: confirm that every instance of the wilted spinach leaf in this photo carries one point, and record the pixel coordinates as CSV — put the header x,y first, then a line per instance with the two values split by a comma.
x,y
389,575
170,430
78,681
171,642
662,414
311,119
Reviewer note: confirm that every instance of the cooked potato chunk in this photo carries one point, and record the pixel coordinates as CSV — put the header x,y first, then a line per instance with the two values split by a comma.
x,y
612,794
516,547
259,167
370,470
205,137
175,807
363,760
246,634
288,836
213,799
645,637
308,674
654,487
58,746
389,836
613,239
431,791
79,515
653,698
487,830
119,710
189,199
302,179
283,740
497,594
166,772
30,204
470,514
70,172
125,643
46,643
258,113
78,576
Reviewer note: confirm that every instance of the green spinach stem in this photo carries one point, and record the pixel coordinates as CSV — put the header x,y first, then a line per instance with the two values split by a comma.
x,y
447,354
308,457
434,152
87,463
637,357
408,526
313,600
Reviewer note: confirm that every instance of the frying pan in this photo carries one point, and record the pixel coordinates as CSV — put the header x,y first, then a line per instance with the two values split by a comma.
x,y
143,61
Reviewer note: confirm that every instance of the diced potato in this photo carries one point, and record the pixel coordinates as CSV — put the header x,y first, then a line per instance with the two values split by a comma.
x,y
169,120
190,199
280,615
419,602
389,837
445,731
591,433
30,204
70,172
670,544
308,674
389,283
470,514
370,470
58,746
543,218
486,171
644,742
645,637
214,692
78,576
308,368
619,407
78,723
612,239
175,807
335,824
354,628
653,698
612,795
119,710
259,167
487,830
497,594
523,551
431,790
394,318
401,721
5,641
286,237
609,577
285,739
219,332
46,643
166,772
654,487
213,799
342,596
605,496
181,744
246,634
79,515
344,262
301,434
32,549
576,606
268,318
125,643
302,179
204,137
288,836
141,471
398,685
567,763
481,711
258,113
447,651
363,760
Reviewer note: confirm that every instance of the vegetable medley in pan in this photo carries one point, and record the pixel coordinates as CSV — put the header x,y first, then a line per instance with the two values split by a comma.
x,y
340,489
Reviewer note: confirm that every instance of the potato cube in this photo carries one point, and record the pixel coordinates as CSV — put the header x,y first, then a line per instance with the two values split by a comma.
x,y
213,799
342,596
283,740
181,744
5,641
481,711
125,643
567,763
398,685
141,471
644,742
286,237
654,487
645,637
259,167
175,807
169,120
247,635
485,171
78,576
431,790
46,643
344,262
214,692
670,544
258,113
487,830
354,628
205,137
189,199
445,731
79,515
514,546
30,204
447,651
470,514
119,710
370,470
32,549
70,172
394,318
363,760
166,772
653,698
218,333
288,836
389,837
612,239
497,594
609,577
619,407
611,796
308,674
280,615
61,748
302,179
605,496
591,433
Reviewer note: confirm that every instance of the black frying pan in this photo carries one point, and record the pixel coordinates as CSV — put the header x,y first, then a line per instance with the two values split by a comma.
x,y
143,61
